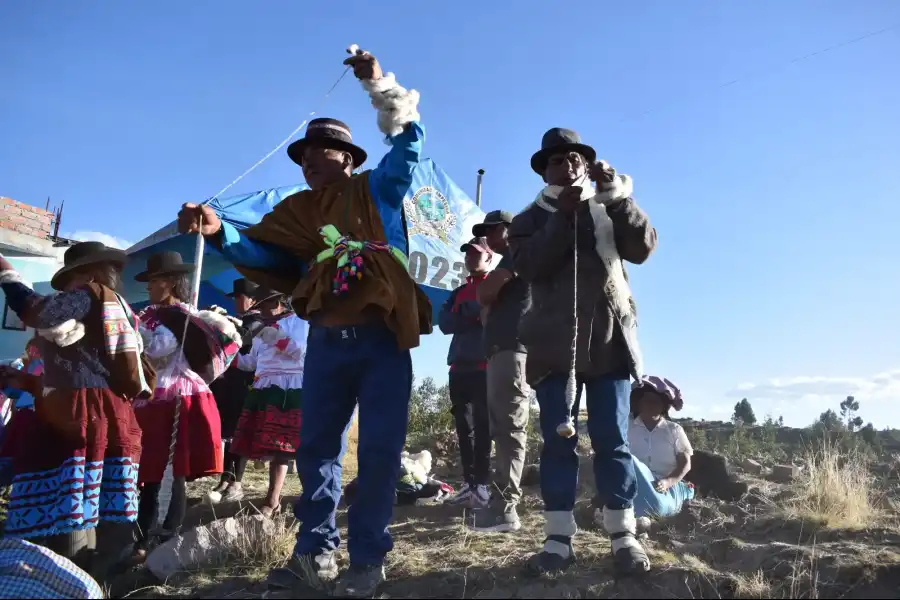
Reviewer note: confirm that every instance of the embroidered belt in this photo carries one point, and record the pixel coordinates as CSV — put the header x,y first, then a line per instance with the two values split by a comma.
x,y
348,252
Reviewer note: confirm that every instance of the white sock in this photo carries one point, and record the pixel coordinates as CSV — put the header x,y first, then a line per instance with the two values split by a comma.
x,y
617,522
559,524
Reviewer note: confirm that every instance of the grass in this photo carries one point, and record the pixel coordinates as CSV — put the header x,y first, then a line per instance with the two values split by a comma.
x,y
835,489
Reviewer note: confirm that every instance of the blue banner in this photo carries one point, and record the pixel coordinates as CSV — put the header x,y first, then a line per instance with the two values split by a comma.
x,y
439,219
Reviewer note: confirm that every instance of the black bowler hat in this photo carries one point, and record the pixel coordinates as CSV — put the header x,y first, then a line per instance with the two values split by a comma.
x,y
559,140
164,263
261,294
83,254
327,133
242,287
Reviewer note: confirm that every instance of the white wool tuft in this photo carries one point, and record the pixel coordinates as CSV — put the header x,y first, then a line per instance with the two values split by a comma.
x,y
397,106
270,335
12,276
64,334
418,466
222,324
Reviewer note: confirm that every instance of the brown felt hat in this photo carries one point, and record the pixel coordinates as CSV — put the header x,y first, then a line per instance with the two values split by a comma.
x,y
164,263
83,254
327,133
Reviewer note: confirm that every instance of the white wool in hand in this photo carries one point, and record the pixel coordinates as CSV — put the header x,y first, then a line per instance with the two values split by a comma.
x,y
397,106
11,276
64,334
222,323
270,335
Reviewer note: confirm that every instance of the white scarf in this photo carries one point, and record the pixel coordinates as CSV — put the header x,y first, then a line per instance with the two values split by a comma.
x,y
618,290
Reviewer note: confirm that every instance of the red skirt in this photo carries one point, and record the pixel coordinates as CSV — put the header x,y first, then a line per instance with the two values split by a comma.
x,y
198,452
74,460
269,426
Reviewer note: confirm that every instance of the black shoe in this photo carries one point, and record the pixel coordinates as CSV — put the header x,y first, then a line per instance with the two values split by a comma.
x,y
360,582
549,563
315,571
629,556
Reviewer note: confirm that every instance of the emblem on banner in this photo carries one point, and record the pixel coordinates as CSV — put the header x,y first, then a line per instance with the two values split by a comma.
x,y
428,213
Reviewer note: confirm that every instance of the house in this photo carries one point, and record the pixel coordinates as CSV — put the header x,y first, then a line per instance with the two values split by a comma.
x,y
28,241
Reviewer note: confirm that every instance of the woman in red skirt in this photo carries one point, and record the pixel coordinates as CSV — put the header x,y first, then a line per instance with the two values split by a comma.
x,y
76,451
182,377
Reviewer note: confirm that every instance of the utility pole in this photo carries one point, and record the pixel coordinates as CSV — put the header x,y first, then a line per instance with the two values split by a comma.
x,y
478,188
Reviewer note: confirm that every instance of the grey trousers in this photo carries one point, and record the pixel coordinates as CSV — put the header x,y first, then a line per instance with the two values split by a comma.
x,y
508,407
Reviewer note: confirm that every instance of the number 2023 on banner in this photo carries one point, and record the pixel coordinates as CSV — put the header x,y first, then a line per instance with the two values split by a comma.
x,y
418,270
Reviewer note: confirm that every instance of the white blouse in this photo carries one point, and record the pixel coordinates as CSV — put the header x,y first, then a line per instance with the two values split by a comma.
x,y
277,354
659,448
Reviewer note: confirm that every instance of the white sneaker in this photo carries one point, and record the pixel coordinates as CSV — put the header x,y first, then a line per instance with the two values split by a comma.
x,y
462,496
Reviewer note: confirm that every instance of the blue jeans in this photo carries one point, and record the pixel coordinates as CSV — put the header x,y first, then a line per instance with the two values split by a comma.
x,y
345,366
650,503
607,405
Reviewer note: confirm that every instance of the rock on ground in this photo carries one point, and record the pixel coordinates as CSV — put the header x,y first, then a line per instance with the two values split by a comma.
x,y
205,545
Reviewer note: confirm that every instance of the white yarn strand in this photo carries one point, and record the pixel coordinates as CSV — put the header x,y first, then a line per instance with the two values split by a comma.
x,y
567,428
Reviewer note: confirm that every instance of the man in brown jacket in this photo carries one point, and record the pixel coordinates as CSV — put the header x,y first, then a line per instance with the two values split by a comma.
x,y
582,320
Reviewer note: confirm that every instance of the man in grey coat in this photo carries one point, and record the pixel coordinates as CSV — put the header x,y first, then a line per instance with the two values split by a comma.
x,y
504,297
588,329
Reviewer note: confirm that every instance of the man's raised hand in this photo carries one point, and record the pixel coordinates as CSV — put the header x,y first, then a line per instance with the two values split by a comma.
x,y
189,219
365,66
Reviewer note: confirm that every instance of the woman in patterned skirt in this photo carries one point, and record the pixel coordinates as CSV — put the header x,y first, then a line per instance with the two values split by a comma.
x,y
182,377
78,464
269,427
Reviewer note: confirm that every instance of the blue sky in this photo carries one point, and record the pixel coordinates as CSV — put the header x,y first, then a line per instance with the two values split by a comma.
x,y
775,197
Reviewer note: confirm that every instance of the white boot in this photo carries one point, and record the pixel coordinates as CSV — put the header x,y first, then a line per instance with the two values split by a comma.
x,y
628,554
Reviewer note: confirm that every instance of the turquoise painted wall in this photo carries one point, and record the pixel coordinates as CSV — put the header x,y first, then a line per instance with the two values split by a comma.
x,y
38,270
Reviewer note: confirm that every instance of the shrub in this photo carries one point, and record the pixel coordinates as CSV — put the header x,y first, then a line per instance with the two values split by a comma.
x,y
834,488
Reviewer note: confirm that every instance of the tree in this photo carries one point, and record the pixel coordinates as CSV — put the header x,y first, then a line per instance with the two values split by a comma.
x,y
829,421
849,407
743,413
869,434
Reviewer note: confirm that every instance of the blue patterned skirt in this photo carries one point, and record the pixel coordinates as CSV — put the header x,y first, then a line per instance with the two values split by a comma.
x,y
75,463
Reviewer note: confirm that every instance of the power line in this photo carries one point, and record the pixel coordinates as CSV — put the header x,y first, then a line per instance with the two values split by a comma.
x,y
779,65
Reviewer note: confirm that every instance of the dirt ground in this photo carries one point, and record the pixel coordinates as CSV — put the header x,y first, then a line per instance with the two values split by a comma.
x,y
749,549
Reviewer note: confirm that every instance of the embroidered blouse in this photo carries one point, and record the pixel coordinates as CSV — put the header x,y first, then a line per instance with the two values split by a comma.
x,y
278,362
174,376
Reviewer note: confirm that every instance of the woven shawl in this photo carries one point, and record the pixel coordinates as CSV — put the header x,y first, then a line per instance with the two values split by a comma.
x,y
293,225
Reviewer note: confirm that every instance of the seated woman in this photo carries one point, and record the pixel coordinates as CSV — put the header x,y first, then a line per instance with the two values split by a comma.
x,y
188,349
661,450
76,463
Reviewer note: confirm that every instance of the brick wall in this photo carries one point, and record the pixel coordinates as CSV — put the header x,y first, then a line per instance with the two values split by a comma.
x,y
25,219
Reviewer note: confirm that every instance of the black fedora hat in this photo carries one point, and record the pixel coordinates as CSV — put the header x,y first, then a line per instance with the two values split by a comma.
x,y
242,287
559,140
263,293
327,133
83,254
164,263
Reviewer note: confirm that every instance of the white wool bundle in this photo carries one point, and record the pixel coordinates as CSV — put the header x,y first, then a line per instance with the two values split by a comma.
x,y
64,334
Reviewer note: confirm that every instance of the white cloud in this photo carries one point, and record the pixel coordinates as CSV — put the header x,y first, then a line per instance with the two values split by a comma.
x,y
802,399
99,236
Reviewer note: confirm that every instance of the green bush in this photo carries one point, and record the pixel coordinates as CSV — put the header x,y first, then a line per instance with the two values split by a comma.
x,y
429,409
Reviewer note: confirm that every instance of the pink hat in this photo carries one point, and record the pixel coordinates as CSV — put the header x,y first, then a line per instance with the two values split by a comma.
x,y
662,386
